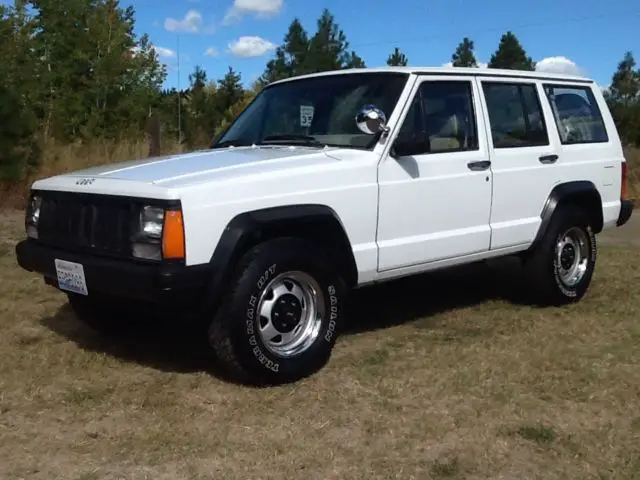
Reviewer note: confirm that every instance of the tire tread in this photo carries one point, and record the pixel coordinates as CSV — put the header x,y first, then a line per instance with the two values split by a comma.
x,y
537,265
221,328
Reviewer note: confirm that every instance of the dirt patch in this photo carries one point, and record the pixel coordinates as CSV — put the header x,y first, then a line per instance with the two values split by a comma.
x,y
628,234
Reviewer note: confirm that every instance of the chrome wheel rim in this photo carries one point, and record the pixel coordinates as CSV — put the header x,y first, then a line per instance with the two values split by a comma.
x,y
290,313
572,256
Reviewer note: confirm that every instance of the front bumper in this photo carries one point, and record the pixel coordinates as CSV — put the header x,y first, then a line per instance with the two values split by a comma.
x,y
626,208
164,284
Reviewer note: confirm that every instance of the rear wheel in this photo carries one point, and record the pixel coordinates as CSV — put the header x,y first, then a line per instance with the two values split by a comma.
x,y
279,320
562,265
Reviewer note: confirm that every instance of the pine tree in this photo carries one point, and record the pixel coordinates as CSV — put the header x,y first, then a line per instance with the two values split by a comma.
x,y
200,110
464,56
625,83
296,47
397,59
328,49
229,90
511,55
354,61
19,145
198,79
291,57
623,99
96,78
276,69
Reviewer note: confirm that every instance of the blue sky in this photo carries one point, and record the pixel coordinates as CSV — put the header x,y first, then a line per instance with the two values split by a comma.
x,y
564,35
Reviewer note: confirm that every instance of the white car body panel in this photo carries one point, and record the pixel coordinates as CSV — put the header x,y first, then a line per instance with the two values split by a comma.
x,y
216,185
522,184
446,206
401,216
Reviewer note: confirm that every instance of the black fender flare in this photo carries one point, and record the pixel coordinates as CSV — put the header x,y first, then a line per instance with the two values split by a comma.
x,y
249,228
574,191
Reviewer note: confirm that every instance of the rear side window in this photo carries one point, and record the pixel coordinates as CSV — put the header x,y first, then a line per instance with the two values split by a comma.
x,y
577,115
515,115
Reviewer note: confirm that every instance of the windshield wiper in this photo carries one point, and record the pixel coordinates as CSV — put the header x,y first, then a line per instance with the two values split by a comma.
x,y
293,138
231,143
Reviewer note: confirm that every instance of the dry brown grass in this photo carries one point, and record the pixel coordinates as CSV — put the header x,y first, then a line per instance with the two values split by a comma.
x,y
632,156
65,158
447,376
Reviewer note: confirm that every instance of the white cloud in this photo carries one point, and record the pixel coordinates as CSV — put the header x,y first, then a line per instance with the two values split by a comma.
x,y
191,23
251,47
560,65
211,52
164,52
260,8
557,64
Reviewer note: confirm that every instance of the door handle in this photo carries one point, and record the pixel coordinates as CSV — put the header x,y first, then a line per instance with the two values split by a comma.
x,y
479,165
548,158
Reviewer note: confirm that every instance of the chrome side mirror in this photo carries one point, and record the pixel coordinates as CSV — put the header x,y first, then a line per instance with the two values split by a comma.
x,y
371,120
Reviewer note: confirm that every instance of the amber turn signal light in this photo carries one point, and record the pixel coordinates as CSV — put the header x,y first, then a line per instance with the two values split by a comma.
x,y
173,235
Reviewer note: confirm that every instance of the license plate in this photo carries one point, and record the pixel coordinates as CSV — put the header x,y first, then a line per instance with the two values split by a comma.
x,y
71,277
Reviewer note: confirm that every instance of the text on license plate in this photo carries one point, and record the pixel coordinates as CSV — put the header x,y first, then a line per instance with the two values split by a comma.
x,y
71,277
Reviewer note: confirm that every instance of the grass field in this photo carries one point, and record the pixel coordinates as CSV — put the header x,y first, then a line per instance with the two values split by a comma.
x,y
443,377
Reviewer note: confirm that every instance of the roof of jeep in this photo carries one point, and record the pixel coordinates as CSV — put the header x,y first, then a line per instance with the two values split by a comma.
x,y
471,71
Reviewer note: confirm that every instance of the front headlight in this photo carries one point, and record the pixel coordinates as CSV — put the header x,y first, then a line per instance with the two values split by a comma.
x,y
147,238
33,216
159,234
151,221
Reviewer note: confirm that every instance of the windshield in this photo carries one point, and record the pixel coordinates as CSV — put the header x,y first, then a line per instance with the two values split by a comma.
x,y
315,111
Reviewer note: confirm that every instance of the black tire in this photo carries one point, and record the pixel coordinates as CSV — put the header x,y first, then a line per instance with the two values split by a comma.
x,y
234,331
543,268
108,316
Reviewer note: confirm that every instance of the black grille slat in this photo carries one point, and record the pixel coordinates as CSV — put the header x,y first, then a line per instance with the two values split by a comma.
x,y
84,222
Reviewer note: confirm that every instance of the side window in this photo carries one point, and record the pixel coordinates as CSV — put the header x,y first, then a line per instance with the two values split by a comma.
x,y
577,115
515,115
440,119
412,130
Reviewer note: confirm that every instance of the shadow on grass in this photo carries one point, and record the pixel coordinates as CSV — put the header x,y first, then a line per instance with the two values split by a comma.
x,y
178,346
182,347
424,296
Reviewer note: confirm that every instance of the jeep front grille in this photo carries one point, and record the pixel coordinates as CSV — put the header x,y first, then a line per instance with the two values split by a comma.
x,y
95,223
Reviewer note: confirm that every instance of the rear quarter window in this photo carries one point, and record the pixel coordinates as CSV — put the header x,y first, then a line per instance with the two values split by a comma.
x,y
515,115
577,115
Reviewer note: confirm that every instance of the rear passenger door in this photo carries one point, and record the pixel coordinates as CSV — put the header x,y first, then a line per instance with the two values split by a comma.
x,y
524,157
435,185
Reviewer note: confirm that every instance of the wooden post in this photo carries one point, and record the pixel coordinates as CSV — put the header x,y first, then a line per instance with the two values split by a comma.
x,y
153,131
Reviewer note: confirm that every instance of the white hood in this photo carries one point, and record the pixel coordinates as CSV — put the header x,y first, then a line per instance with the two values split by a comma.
x,y
241,160
155,176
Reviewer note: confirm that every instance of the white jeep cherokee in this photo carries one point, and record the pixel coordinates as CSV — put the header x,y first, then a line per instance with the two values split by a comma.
x,y
332,181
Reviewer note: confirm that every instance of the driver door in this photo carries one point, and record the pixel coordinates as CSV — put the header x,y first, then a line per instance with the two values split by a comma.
x,y
435,185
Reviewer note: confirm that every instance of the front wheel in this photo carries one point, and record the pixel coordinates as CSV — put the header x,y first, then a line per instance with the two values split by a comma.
x,y
562,265
280,319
